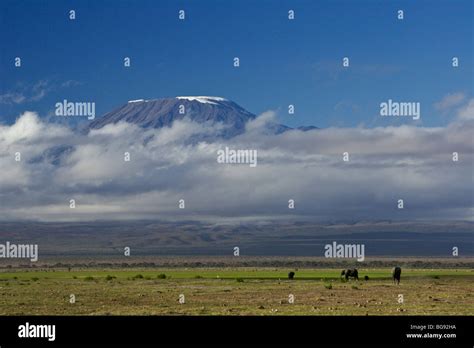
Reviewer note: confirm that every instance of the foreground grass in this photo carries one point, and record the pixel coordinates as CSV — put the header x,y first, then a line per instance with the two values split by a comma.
x,y
234,291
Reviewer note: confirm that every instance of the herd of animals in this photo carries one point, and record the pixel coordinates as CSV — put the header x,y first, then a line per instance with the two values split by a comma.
x,y
354,273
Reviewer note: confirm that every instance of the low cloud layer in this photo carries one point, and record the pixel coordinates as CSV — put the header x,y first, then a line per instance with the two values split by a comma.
x,y
385,164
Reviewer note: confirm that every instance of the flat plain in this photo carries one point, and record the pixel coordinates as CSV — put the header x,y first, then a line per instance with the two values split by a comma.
x,y
233,291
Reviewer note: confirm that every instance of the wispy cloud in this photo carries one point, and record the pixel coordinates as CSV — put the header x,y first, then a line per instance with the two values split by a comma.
x,y
33,92
334,70
458,105
12,98
70,83
449,101
466,112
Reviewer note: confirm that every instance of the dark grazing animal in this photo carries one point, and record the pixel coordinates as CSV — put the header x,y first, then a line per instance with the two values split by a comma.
x,y
291,275
350,273
396,273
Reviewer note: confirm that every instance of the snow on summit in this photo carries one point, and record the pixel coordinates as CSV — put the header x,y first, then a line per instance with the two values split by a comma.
x,y
203,99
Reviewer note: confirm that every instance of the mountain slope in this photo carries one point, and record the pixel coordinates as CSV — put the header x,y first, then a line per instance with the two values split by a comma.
x,y
163,112
158,113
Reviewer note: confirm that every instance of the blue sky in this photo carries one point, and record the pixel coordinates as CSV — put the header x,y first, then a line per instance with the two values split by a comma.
x,y
282,62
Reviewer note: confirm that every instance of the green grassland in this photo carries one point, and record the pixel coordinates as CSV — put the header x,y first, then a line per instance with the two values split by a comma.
x,y
234,291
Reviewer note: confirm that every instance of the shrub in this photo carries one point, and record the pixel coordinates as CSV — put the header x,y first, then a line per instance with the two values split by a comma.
x,y
328,286
239,280
198,277
354,287
35,279
138,276
89,278
109,277
161,276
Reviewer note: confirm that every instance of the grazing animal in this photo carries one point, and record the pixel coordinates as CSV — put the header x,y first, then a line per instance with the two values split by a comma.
x,y
291,275
396,273
351,273
366,278
343,272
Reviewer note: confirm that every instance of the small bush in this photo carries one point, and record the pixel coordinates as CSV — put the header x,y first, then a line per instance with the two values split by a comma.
x,y
35,279
161,276
138,276
89,278
354,287
436,276
109,277
198,277
239,280
74,277
328,286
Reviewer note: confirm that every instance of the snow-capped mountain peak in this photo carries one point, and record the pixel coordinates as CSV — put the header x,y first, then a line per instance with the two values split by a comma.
x,y
203,99
162,112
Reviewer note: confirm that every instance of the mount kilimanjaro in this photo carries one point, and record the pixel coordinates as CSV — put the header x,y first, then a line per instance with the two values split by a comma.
x,y
158,113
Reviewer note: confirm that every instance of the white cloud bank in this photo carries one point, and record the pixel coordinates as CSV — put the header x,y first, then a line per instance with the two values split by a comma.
x,y
386,164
